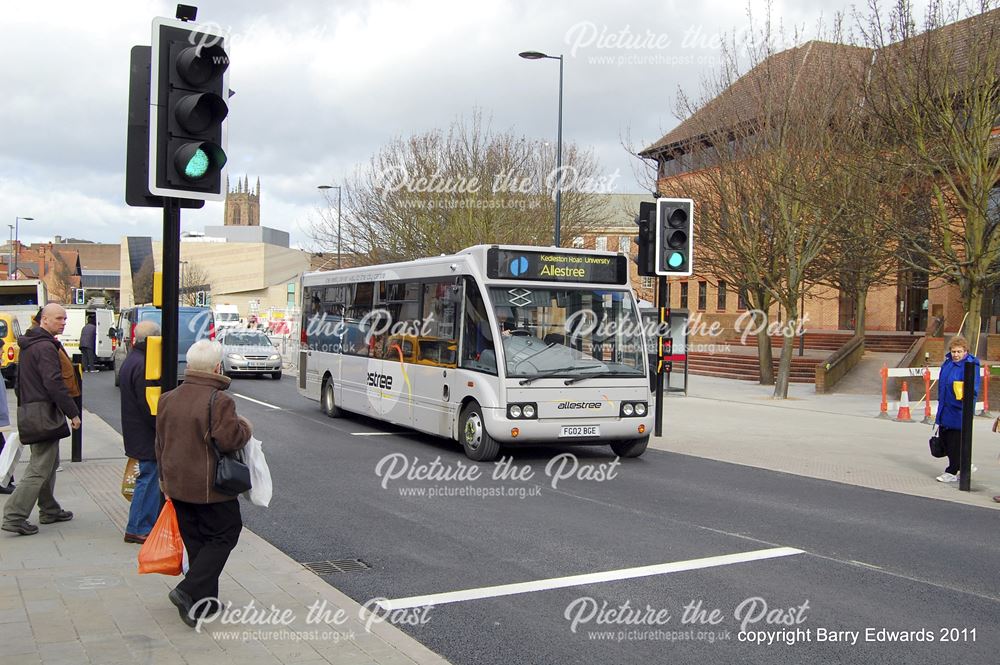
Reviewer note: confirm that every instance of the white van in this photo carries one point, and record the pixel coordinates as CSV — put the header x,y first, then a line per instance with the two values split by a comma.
x,y
76,318
226,316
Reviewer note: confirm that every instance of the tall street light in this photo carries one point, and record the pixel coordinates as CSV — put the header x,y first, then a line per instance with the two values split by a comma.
x,y
16,243
537,55
10,261
339,193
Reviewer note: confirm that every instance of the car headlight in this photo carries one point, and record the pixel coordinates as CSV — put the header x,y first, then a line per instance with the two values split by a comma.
x,y
640,409
627,409
274,356
529,411
515,411
235,356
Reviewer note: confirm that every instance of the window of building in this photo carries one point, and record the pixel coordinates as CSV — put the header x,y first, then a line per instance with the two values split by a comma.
x,y
578,242
721,304
649,282
601,244
624,245
684,295
741,302
702,295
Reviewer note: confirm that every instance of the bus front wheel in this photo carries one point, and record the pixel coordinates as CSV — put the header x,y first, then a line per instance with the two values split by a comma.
x,y
631,448
326,400
476,441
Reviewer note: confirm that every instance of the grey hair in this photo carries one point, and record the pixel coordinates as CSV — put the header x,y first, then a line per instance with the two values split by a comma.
x,y
204,355
146,329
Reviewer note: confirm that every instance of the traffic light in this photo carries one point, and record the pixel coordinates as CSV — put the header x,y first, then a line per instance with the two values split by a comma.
x,y
200,299
189,86
78,297
646,249
674,237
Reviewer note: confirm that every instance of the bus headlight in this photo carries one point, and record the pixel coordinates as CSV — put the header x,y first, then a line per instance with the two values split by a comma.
x,y
640,409
522,410
627,409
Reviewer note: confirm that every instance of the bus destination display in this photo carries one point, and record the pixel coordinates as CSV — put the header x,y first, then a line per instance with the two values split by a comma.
x,y
551,266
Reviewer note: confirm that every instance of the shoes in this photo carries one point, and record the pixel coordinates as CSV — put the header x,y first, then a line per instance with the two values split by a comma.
x,y
24,527
135,538
9,489
947,478
61,516
183,602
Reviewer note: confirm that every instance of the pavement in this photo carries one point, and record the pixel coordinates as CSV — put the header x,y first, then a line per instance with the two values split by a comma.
x,y
833,437
71,593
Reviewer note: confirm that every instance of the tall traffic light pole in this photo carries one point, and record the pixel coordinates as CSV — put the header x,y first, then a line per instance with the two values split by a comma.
x,y
177,136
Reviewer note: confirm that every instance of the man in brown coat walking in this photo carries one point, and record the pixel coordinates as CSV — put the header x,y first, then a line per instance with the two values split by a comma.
x,y
209,521
41,378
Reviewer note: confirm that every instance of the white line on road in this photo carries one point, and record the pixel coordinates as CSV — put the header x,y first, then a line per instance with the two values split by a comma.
x,y
257,401
590,578
370,433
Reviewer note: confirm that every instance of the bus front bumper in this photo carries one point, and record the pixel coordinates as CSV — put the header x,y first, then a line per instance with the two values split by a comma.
x,y
548,430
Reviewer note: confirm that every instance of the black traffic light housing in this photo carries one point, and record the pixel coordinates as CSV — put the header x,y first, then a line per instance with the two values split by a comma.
x,y
189,89
674,237
645,240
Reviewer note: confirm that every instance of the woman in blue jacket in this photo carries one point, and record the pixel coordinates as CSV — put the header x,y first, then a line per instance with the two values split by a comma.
x,y
949,411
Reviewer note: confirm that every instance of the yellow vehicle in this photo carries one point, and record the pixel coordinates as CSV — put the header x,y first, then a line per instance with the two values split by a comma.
x,y
421,350
10,330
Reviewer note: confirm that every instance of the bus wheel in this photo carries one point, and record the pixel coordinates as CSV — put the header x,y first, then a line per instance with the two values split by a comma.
x,y
632,448
478,444
326,400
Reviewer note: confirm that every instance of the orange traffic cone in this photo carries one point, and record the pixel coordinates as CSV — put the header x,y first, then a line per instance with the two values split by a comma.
x,y
903,415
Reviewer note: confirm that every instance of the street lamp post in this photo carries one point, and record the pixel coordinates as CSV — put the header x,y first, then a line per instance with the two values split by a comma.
x,y
537,55
339,194
16,243
10,261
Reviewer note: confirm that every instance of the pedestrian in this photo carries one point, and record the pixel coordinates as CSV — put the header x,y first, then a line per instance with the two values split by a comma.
x,y
139,435
209,521
5,422
88,345
949,411
45,374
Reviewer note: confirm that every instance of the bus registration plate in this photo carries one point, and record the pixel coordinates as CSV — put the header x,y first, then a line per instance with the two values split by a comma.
x,y
580,430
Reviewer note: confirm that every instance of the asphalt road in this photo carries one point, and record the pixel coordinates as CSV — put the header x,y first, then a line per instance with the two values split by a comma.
x,y
870,560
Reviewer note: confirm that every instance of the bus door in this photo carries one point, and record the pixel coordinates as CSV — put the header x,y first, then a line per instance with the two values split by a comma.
x,y
432,374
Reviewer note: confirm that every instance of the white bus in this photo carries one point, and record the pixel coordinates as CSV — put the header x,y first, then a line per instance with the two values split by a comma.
x,y
494,345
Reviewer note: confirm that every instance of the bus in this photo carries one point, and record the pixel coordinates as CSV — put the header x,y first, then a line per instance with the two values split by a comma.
x,y
492,346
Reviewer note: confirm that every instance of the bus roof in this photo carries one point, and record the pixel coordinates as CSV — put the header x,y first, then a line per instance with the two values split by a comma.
x,y
507,263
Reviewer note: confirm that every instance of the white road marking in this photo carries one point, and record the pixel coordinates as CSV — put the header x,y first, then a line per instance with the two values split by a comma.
x,y
589,578
257,401
370,433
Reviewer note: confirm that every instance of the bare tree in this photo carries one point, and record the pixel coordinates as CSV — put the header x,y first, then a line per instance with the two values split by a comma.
x,y
935,90
441,191
142,282
193,278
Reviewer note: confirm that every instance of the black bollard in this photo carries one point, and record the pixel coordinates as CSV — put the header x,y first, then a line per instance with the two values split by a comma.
x,y
77,436
968,410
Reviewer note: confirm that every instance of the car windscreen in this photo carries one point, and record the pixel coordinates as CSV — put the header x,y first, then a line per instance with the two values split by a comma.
x,y
246,339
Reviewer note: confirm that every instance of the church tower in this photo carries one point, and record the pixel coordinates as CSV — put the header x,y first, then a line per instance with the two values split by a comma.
x,y
242,203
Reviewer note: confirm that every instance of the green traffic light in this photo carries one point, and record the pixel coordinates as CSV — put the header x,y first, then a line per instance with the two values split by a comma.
x,y
675,260
198,165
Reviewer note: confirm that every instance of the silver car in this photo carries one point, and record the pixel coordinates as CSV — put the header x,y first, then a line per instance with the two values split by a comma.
x,y
249,352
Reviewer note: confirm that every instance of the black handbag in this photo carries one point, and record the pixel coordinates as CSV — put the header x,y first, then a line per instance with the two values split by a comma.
x,y
937,445
232,476
41,422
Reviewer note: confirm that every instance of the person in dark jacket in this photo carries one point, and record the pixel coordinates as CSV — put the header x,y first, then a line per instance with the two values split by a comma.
x,y
41,378
949,411
139,435
88,345
209,521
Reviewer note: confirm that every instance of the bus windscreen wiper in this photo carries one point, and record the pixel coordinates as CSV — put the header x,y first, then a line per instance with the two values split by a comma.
x,y
553,372
570,382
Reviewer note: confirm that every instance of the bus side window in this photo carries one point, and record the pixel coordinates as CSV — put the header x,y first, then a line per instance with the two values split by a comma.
x,y
478,352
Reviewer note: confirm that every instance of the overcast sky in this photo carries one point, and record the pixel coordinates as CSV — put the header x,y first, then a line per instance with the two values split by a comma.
x,y
322,85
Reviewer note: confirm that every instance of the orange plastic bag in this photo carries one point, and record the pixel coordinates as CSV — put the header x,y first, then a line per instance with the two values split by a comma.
x,y
163,551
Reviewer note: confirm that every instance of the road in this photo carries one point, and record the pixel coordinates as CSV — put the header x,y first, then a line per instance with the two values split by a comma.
x,y
917,568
